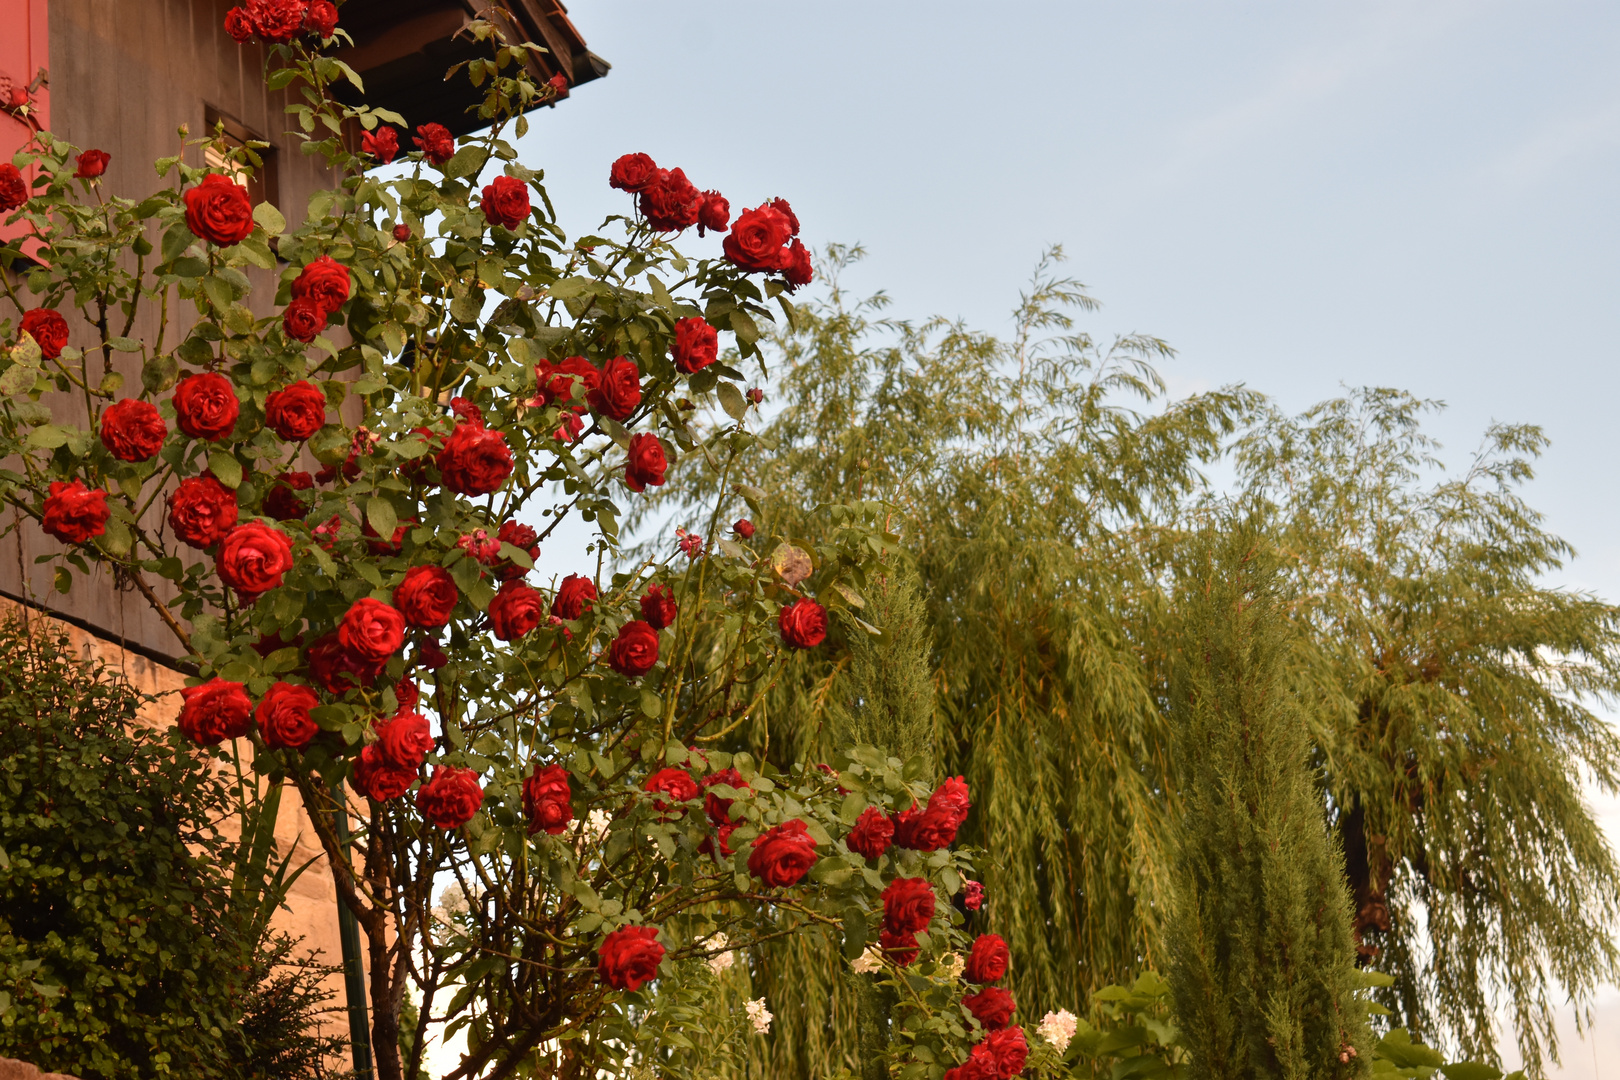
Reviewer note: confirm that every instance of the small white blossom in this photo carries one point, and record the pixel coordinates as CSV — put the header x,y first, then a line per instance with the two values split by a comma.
x,y
596,824
1058,1028
869,961
759,1015
950,966
720,961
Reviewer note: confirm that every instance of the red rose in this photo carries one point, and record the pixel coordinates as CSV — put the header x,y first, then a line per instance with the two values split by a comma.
x,y
743,528
619,391
381,144
337,669
480,546
282,502
646,463
718,807
714,214
372,630
951,800
1007,1049
570,427
406,693
506,202
73,513
48,329
404,739
872,832
783,855
992,1006
467,410
451,798
377,778
629,957
132,430
690,543
296,412
797,269
435,142
475,460
634,173
427,596
205,406
908,905
239,24
675,783
269,643
284,716
92,163
901,949
755,395
431,656
697,345
202,511
556,380
559,86
548,800
393,545
973,895
322,18
757,240
277,20
215,711
515,610
658,607
635,651
780,205
978,1066
218,210
325,282
523,537
303,320
13,189
672,203
572,596
722,833
987,960
803,623
252,558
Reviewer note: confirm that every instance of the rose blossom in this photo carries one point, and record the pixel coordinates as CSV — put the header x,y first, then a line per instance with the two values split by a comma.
x,y
758,239
506,202
618,392
325,282
987,959
573,594
515,610
901,949
646,464
451,798
714,214
218,210
556,380
635,651
372,630
671,203
908,905
202,511
978,1066
743,528
973,895
252,558
675,783
239,24
215,711
803,623
629,957
633,173
658,607
296,412
427,596
375,777
278,20
783,855
697,344
548,800
871,835
475,460
322,18
559,86
381,144
404,739
780,205
205,406
13,188
480,546
132,430
282,502
283,715
716,806
48,329
73,513
92,163
523,537
1008,1050
303,320
993,1007
435,142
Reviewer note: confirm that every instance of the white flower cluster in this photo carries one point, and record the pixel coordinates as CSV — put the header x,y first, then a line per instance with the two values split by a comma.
x,y
950,967
720,961
1058,1028
869,961
759,1015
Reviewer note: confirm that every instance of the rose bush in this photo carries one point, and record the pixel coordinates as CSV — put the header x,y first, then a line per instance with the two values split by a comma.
x,y
381,620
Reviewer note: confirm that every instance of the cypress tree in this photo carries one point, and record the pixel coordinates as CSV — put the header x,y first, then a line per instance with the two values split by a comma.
x,y
1262,955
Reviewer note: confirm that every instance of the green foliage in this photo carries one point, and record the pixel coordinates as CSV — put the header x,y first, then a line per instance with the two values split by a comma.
x,y
1262,959
121,952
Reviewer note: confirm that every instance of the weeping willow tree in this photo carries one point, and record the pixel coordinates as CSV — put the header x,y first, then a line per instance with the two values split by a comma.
x,y
1043,484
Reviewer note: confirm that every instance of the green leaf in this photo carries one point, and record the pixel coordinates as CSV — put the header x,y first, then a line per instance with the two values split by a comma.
x,y
175,241
226,469
1470,1070
48,437
732,400
466,161
660,294
381,517
18,378
161,372
270,219
744,327
111,383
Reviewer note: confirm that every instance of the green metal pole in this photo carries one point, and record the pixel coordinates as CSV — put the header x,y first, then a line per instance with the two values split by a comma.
x,y
354,975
